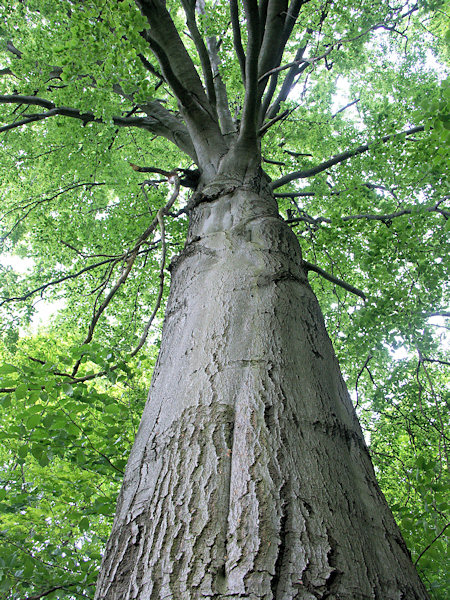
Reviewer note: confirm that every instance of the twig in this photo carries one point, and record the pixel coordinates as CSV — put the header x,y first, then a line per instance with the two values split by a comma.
x,y
310,267
338,158
359,375
431,543
158,220
345,107
269,124
60,280
32,205
384,218
55,588
297,63
144,335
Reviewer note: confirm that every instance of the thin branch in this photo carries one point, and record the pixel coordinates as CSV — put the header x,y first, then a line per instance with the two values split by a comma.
x,y
189,9
279,117
87,117
151,170
32,205
273,162
369,217
431,543
271,111
150,68
55,588
295,195
368,359
343,156
160,217
237,39
249,112
436,360
56,281
11,48
296,64
345,107
129,262
25,550
310,267
111,464
299,64
130,258
29,100
370,186
6,71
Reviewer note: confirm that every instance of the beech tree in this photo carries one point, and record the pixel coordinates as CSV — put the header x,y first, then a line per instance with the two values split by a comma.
x,y
254,150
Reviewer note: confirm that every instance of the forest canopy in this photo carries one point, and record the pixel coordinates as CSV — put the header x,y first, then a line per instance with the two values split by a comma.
x,y
97,172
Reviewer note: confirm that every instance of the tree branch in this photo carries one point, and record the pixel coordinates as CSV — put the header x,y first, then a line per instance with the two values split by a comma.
x,y
296,63
189,9
368,359
237,39
180,73
279,117
249,113
43,287
34,204
431,543
129,258
273,42
343,156
345,108
310,267
158,121
141,122
11,48
164,38
276,36
271,112
369,217
160,217
291,18
54,589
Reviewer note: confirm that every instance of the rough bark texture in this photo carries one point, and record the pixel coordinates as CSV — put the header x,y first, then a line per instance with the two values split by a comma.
x,y
249,477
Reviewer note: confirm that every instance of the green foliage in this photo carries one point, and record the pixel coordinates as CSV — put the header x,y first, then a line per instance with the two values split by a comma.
x,y
64,451
73,207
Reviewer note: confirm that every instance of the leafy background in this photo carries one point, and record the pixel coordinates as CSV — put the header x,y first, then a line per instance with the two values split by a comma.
x,y
70,201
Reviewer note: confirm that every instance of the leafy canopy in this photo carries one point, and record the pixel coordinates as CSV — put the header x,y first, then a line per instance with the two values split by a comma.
x,y
353,126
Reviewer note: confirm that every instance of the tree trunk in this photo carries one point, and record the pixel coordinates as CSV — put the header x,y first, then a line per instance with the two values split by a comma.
x,y
249,477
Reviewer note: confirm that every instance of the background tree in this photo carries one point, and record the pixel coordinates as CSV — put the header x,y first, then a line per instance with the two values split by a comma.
x,y
97,93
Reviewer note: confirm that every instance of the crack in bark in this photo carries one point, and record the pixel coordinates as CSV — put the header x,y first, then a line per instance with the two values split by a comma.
x,y
282,546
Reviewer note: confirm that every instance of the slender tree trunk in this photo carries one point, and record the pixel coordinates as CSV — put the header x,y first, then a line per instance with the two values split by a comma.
x,y
249,477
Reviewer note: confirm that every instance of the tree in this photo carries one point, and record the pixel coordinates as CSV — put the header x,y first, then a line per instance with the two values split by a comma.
x,y
249,476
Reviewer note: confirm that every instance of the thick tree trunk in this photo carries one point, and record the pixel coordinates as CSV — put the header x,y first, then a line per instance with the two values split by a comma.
x,y
249,477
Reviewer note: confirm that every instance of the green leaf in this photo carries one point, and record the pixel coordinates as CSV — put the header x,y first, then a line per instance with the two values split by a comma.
x,y
37,451
22,451
43,459
67,389
21,391
33,421
6,369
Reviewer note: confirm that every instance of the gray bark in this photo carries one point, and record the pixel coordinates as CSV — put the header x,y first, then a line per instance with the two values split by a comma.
x,y
249,477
